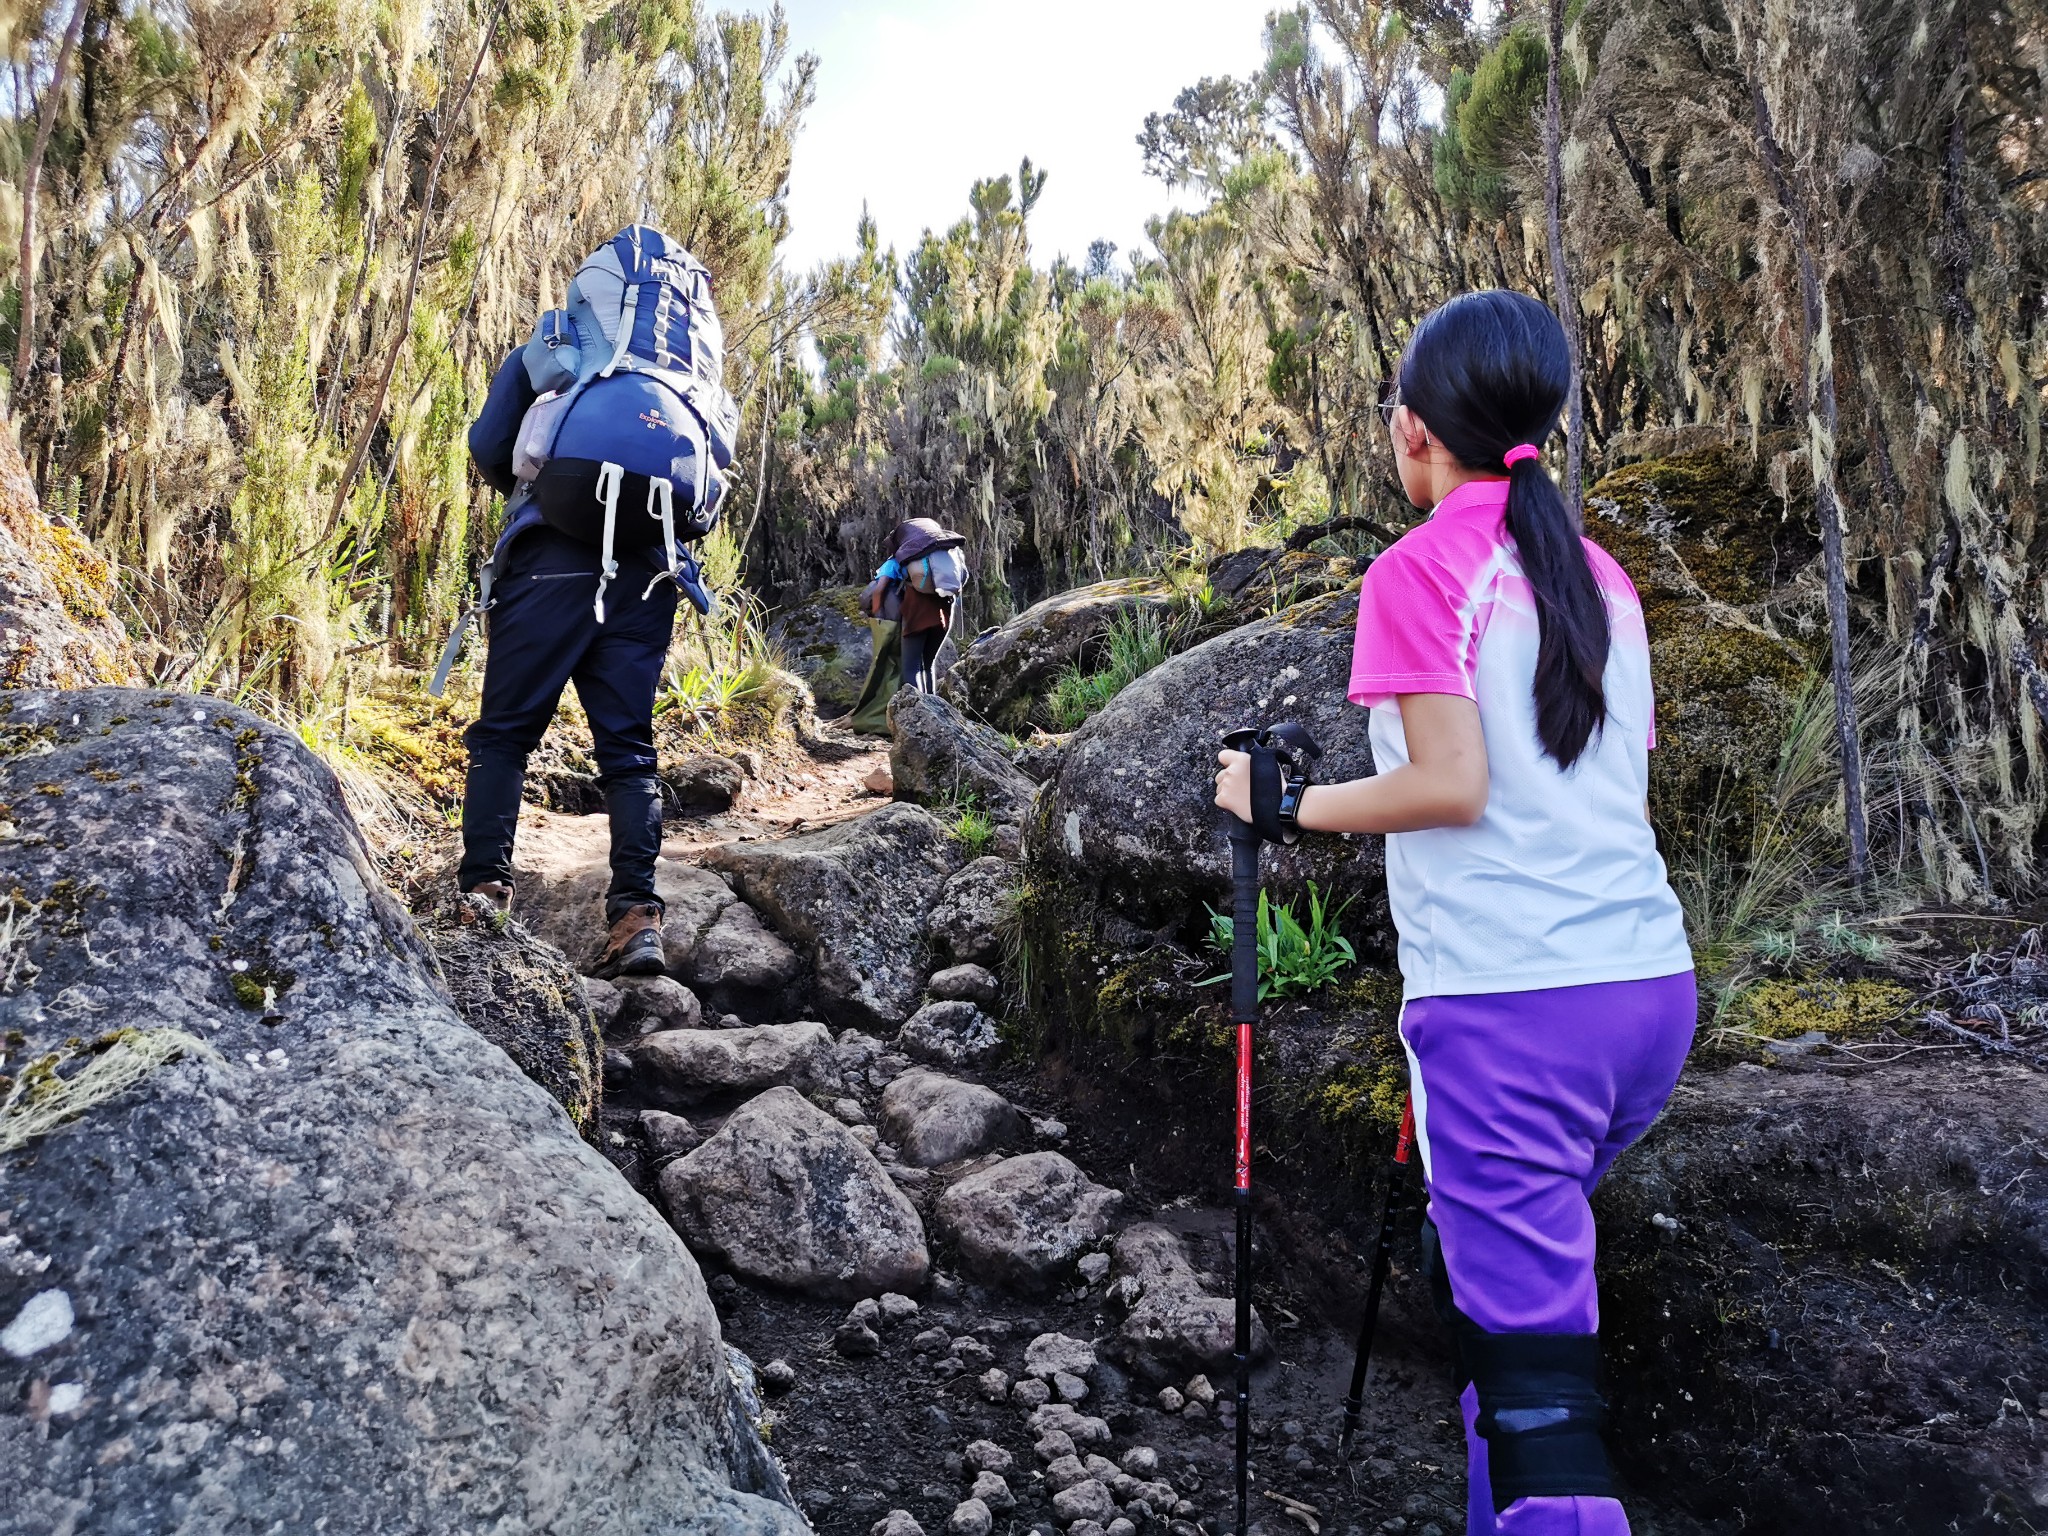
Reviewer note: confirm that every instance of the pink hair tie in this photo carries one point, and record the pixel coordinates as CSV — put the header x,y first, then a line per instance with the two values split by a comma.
x,y
1519,452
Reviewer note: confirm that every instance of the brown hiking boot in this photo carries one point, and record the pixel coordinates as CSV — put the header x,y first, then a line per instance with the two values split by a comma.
x,y
635,945
495,895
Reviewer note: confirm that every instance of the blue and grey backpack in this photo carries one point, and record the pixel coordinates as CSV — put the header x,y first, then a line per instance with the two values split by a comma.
x,y
628,445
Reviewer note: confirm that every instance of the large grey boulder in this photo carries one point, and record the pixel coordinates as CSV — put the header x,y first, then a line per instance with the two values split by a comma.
x,y
1004,674
939,757
1175,1327
681,1068
339,1265
1023,1222
826,641
933,1119
1130,820
784,1194
1822,1291
523,997
853,899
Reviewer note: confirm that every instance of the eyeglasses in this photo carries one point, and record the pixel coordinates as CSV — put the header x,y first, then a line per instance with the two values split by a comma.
x,y
1390,401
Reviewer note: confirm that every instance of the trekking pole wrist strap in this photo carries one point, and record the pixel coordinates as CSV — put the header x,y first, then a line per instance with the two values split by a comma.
x,y
1277,788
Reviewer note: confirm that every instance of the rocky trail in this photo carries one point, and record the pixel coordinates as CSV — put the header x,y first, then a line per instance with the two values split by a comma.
x,y
1065,1361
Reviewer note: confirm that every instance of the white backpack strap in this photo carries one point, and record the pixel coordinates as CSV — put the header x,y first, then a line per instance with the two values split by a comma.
x,y
609,478
659,490
627,306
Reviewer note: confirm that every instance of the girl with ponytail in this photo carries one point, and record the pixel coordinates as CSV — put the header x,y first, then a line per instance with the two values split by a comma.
x,y
1549,997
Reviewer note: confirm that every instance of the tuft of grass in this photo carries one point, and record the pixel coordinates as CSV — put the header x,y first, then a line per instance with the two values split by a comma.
x,y
724,678
973,830
1135,643
1295,958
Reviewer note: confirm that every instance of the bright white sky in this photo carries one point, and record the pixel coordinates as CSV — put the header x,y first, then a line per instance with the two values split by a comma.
x,y
919,98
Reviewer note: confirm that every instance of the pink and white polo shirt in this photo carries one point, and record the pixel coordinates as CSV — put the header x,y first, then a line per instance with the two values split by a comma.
x,y
1559,883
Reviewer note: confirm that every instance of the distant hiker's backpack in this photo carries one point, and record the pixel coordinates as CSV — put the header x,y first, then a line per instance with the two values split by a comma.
x,y
941,573
628,444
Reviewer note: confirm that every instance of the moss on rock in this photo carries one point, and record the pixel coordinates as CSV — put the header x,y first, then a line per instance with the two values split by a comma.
x,y
1706,542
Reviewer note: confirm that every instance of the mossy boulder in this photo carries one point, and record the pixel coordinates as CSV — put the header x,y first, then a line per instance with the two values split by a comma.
x,y
941,758
1263,580
1709,545
326,1211
57,625
1004,675
825,640
523,997
1129,820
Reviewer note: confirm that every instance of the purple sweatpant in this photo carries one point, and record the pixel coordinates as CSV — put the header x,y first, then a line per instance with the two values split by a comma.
x,y
1522,1101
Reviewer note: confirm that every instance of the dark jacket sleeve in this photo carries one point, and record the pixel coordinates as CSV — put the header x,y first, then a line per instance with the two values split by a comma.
x,y
496,428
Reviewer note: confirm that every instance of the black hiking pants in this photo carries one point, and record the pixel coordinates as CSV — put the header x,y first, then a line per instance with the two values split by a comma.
x,y
544,634
920,656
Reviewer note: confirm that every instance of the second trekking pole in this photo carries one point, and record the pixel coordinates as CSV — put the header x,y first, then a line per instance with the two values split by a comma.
x,y
1390,1214
1244,1009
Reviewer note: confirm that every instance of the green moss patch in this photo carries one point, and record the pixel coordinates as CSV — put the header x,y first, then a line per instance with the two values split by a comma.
x,y
1780,1009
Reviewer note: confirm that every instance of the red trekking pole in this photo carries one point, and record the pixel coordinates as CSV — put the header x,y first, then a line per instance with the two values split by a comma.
x,y
1389,1217
1244,1009
1282,757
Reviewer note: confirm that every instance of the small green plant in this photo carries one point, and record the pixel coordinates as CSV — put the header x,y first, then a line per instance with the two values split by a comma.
x,y
973,830
1294,959
1135,644
723,673
1841,936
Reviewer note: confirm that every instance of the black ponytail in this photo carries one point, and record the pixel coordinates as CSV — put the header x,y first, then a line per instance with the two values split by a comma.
x,y
1487,373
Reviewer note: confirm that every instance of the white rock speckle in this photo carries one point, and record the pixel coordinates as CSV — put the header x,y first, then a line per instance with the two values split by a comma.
x,y
67,1397
46,1320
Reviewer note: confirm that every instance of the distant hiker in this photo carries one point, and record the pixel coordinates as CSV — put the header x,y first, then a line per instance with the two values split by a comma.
x,y
609,433
928,565
1549,995
910,610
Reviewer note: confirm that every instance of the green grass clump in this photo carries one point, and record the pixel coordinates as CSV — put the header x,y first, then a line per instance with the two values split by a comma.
x,y
973,829
1135,644
1295,959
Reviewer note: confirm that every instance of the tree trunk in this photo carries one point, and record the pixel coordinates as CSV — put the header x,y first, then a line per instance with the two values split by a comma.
x,y
1823,417
1560,271
31,175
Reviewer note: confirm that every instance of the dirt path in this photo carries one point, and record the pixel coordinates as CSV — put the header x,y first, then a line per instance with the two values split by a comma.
x,y
824,784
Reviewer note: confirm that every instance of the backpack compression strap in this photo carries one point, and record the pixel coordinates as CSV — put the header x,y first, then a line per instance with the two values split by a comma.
x,y
609,478
660,490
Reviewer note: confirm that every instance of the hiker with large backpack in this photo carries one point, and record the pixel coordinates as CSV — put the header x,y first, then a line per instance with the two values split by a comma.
x,y
909,606
1548,990
609,433
932,573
